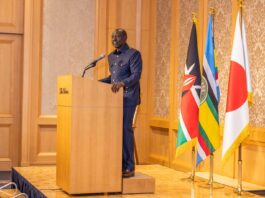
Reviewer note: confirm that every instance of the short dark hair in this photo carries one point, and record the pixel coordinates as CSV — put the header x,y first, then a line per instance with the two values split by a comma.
x,y
122,31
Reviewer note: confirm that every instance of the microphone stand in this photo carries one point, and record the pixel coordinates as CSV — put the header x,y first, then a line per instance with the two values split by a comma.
x,y
88,67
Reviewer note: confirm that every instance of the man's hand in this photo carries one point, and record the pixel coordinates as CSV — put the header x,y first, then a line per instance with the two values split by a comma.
x,y
116,86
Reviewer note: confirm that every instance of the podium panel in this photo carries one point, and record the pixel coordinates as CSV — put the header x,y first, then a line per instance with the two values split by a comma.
x,y
89,136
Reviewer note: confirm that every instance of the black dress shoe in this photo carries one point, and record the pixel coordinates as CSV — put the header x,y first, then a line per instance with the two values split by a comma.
x,y
127,173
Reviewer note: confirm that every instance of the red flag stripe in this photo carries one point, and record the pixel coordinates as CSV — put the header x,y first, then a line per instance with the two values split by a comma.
x,y
189,110
237,87
203,145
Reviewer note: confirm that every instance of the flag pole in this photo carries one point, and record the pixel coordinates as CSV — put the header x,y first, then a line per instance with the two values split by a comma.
x,y
239,185
194,18
192,176
192,64
210,181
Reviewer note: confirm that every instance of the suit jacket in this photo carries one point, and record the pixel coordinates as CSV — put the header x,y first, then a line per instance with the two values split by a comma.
x,y
125,65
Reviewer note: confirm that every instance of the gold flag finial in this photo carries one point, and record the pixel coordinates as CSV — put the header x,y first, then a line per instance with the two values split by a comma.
x,y
194,17
240,3
212,11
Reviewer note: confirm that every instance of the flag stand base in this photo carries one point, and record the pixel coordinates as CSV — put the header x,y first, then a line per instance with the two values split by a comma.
x,y
192,178
213,186
192,175
210,183
239,189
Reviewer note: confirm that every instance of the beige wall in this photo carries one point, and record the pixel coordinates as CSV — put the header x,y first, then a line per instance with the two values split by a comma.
x,y
162,59
67,46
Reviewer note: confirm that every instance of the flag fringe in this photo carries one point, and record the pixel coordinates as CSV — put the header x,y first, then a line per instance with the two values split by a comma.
x,y
243,135
250,98
185,146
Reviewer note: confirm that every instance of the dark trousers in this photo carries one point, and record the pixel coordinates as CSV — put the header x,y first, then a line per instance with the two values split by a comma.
x,y
128,138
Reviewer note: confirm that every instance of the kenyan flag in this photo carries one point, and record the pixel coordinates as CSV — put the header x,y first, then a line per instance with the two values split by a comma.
x,y
188,127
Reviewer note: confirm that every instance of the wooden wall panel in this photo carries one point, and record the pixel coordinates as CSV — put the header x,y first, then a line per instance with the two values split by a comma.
x,y
101,36
43,145
11,16
146,15
32,121
10,106
6,56
46,139
142,137
127,14
145,42
112,13
5,140
254,163
159,147
151,46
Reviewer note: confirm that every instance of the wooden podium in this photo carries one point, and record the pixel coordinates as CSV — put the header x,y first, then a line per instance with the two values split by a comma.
x,y
89,136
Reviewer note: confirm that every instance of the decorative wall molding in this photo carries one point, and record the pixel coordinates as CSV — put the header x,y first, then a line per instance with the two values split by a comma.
x,y
159,122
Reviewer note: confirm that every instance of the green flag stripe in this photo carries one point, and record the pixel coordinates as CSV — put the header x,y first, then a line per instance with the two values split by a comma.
x,y
213,109
181,137
206,139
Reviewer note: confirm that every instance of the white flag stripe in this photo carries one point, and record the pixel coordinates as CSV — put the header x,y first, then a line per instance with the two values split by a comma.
x,y
237,51
209,76
184,129
235,122
245,48
201,151
195,95
187,81
187,71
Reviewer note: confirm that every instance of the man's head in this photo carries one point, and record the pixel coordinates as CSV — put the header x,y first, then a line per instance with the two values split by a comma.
x,y
119,38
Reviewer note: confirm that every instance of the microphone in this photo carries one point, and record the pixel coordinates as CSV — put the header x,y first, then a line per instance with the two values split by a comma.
x,y
93,63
